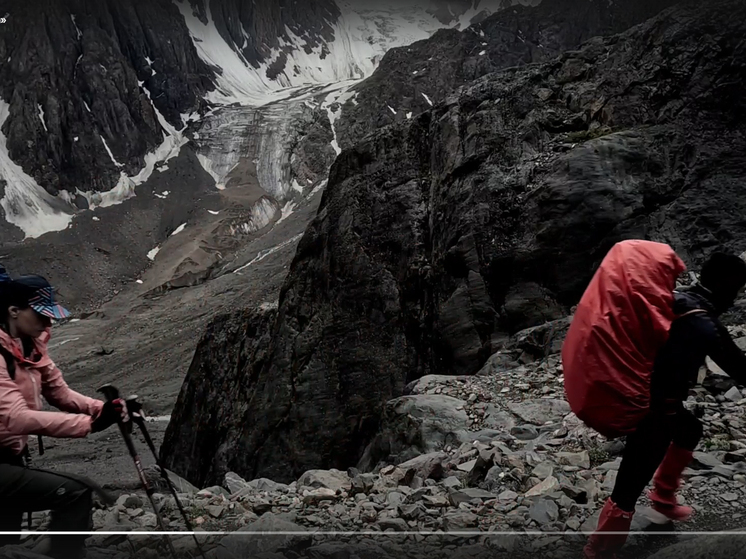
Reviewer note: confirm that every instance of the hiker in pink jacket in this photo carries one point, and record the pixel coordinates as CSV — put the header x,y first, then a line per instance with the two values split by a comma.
x,y
27,375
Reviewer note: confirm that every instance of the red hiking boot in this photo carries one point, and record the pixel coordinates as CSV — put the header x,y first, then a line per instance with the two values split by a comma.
x,y
602,545
667,481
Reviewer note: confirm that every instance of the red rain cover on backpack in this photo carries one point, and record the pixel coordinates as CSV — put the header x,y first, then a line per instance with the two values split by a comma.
x,y
621,322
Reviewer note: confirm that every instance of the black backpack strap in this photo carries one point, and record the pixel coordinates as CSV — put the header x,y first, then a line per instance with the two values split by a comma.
x,y
10,362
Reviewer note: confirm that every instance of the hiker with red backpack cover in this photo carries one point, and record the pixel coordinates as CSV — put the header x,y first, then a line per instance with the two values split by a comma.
x,y
633,351
27,373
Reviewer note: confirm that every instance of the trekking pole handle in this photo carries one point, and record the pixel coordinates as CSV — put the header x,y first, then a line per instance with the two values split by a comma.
x,y
110,392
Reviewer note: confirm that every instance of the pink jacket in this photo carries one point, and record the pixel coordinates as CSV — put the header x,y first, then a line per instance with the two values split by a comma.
x,y
20,399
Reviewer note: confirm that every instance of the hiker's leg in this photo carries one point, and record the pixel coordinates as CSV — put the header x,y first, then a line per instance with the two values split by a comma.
x,y
687,431
10,516
69,500
643,452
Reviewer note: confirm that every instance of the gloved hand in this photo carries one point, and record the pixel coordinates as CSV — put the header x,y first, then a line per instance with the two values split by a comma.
x,y
112,412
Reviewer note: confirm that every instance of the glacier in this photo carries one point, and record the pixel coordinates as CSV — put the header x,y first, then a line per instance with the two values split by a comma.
x,y
244,98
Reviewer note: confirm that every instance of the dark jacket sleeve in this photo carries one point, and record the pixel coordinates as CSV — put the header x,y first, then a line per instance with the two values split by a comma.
x,y
725,353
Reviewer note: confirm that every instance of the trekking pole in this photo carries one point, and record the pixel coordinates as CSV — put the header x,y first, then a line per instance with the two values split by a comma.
x,y
138,418
111,393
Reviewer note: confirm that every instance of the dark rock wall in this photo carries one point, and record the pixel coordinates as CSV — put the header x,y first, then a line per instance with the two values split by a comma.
x,y
437,237
62,64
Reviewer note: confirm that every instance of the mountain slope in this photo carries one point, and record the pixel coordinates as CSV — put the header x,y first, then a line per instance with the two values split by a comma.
x,y
437,238
411,79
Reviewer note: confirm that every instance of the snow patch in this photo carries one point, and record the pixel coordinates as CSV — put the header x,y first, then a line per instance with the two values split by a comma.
x,y
261,215
362,36
287,211
318,188
213,212
409,115
179,229
41,117
338,99
427,99
207,165
265,253
111,155
75,24
163,195
87,107
152,253
26,204
391,109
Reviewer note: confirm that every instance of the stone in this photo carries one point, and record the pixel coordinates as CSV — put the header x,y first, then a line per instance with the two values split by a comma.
x,y
543,470
507,496
609,481
212,491
328,479
451,482
467,466
524,432
130,501
539,412
395,524
467,495
704,547
544,511
479,471
493,479
578,459
159,485
148,520
413,511
235,483
729,497
416,425
264,484
547,486
459,520
215,511
705,460
734,395
428,465
316,496
394,498
243,544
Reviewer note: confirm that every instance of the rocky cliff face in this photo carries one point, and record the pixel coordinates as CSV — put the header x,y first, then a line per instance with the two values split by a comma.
x,y
79,76
437,237
258,29
411,79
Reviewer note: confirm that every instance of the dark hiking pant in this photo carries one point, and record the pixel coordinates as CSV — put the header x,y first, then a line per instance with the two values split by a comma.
x,y
646,447
28,490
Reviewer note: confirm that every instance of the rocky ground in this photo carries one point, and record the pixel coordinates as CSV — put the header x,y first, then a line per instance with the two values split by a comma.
x,y
494,464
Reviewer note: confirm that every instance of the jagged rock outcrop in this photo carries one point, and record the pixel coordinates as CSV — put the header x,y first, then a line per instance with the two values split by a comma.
x,y
511,191
258,29
213,409
79,77
410,79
